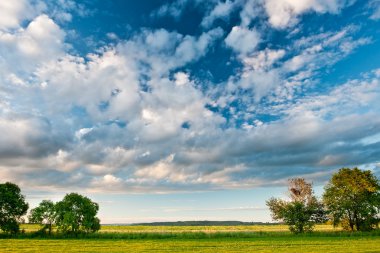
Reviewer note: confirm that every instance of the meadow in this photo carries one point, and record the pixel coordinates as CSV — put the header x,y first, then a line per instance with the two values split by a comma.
x,y
255,238
173,229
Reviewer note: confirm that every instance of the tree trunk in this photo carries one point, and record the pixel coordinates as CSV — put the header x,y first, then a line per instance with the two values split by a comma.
x,y
357,222
351,221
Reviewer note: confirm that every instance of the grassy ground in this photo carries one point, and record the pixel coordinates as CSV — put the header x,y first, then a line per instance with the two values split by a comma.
x,y
199,239
277,244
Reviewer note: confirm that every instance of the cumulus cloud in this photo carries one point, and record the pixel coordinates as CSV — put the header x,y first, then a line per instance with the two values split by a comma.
x,y
243,40
181,78
162,50
261,82
110,119
23,137
25,49
284,13
12,13
134,115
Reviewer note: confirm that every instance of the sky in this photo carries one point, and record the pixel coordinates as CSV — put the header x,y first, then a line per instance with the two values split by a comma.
x,y
186,109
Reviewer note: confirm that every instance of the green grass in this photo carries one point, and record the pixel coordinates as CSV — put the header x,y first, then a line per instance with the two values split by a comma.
x,y
265,244
207,229
196,239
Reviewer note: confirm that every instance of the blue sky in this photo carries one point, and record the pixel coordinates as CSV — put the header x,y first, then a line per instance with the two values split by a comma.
x,y
186,109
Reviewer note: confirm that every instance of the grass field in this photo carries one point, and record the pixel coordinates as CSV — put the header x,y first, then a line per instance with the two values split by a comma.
x,y
174,229
199,239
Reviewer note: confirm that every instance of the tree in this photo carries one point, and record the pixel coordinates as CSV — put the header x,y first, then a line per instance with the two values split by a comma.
x,y
302,211
76,213
12,207
44,214
352,196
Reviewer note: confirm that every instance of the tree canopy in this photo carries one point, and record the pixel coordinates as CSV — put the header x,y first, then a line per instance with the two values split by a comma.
x,y
302,211
44,214
12,207
352,196
76,213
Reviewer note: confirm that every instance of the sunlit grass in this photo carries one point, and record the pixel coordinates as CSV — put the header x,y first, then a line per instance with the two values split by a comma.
x,y
206,229
266,244
251,238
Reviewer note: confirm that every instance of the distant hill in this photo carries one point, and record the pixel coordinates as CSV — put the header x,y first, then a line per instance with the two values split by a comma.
x,y
202,223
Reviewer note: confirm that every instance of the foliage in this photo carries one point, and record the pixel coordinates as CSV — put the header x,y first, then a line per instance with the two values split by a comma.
x,y
353,199
300,190
76,214
44,214
302,211
12,207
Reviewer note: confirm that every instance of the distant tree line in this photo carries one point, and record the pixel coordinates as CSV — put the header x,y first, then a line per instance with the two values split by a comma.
x,y
351,199
72,215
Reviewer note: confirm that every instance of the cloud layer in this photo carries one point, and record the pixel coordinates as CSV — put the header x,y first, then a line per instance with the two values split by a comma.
x,y
134,116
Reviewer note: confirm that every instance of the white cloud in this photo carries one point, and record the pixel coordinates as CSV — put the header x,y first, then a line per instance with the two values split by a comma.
x,y
9,12
111,179
280,77
42,36
263,60
262,82
160,170
348,46
311,134
221,10
375,6
12,13
190,49
25,49
181,78
298,62
284,13
82,132
153,118
259,76
251,9
162,50
176,8
221,176
101,76
377,72
243,40
112,36
134,116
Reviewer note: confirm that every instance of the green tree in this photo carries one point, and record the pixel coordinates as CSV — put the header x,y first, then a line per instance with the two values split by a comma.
x,y
76,213
302,211
12,207
44,214
352,197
